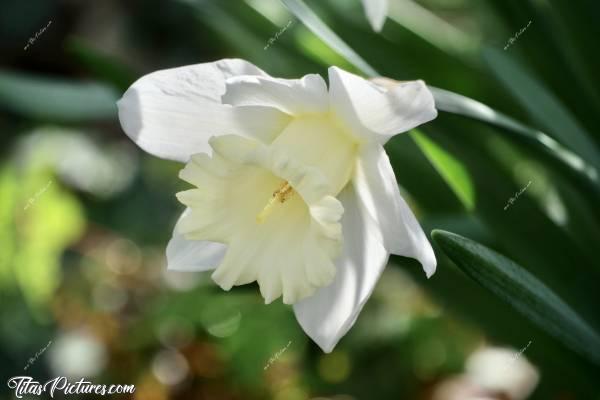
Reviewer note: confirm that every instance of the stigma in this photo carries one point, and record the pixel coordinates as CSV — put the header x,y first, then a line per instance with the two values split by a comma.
x,y
284,192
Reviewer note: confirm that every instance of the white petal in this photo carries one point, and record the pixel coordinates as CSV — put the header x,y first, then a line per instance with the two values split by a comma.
x,y
193,255
376,11
293,96
172,113
372,109
377,189
332,310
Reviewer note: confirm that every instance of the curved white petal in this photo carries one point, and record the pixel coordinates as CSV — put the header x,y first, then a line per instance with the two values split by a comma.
x,y
378,111
376,11
192,255
172,113
378,193
332,310
292,96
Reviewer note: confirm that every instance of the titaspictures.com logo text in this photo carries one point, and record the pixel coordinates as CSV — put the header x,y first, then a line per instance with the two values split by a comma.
x,y
26,385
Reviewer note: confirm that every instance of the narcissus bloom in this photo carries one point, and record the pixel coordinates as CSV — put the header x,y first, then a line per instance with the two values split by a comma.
x,y
292,186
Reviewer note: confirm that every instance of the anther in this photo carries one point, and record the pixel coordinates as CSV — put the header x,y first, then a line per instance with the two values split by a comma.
x,y
284,192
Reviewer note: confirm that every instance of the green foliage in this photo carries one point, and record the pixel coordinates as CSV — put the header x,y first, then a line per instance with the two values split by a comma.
x,y
545,109
55,99
513,284
41,219
449,168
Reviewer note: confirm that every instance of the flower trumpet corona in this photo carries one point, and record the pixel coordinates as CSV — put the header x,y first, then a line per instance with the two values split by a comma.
x,y
292,187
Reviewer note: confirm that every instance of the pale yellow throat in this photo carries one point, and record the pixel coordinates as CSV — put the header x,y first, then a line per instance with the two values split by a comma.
x,y
284,192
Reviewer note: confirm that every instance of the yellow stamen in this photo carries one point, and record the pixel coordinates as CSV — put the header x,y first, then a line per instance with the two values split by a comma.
x,y
281,194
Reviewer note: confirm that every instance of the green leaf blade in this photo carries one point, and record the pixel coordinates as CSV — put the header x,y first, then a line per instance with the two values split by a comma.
x,y
524,292
545,108
319,28
564,158
449,168
56,100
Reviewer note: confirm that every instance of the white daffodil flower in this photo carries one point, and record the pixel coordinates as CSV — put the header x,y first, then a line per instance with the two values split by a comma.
x,y
293,188
376,11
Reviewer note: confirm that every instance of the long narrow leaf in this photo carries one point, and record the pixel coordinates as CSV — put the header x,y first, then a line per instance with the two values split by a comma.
x,y
451,169
54,99
542,105
435,30
513,284
319,28
457,104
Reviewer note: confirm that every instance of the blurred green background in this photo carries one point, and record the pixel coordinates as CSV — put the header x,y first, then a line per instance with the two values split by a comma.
x,y
85,215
